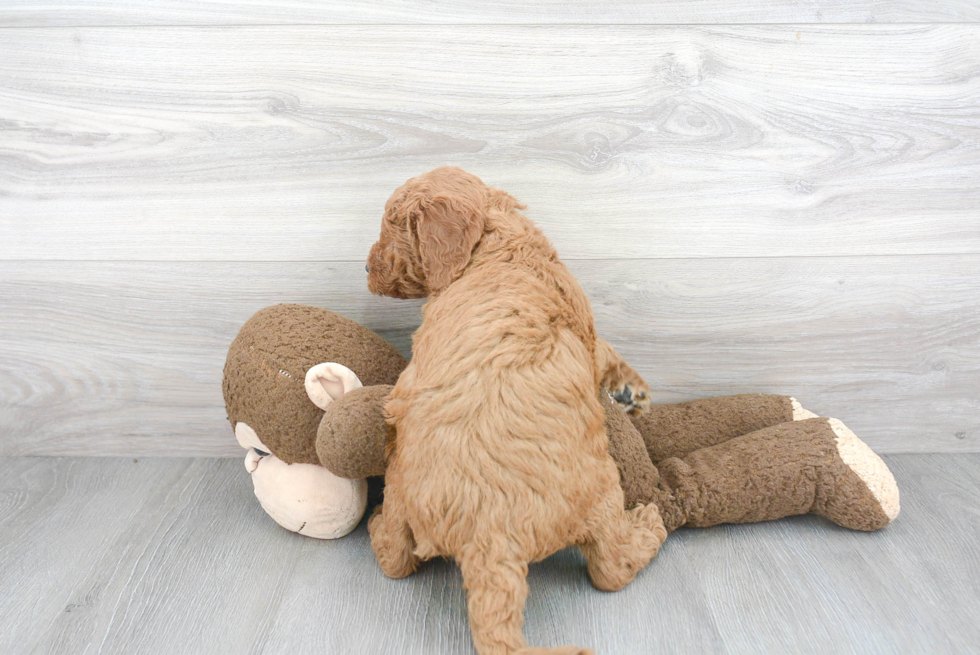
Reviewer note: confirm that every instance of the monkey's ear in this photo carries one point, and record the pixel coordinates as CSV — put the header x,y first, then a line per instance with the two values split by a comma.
x,y
329,381
448,229
247,438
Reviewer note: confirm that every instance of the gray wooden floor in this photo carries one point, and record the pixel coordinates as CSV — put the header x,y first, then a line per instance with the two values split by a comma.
x,y
117,555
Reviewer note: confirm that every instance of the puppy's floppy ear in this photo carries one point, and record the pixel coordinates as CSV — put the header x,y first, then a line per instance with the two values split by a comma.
x,y
448,229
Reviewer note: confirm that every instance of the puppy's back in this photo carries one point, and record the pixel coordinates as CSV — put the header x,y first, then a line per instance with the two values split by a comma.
x,y
502,422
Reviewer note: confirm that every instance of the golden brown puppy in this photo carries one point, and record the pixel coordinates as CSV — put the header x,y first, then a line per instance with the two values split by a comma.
x,y
500,456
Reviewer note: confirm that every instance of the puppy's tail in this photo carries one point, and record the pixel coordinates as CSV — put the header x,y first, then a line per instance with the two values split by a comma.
x,y
495,580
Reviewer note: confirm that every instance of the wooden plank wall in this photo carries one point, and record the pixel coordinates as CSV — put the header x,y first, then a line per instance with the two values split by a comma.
x,y
770,198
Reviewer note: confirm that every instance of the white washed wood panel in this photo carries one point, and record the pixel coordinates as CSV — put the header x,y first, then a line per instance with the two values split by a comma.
x,y
125,358
282,143
119,358
23,13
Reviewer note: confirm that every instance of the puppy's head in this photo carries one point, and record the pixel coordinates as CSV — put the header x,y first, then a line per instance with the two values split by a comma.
x,y
430,227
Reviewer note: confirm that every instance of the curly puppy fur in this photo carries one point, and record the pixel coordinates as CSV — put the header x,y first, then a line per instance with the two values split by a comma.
x,y
500,456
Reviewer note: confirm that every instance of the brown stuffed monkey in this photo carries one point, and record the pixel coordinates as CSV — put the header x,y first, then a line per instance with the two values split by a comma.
x,y
748,458
305,391
286,373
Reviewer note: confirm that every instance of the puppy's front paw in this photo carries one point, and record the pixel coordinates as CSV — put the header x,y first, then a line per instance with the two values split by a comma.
x,y
634,397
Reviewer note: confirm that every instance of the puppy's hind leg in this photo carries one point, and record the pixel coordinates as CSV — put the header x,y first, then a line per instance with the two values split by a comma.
x,y
620,543
496,588
391,538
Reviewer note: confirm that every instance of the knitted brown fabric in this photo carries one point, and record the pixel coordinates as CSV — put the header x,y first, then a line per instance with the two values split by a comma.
x,y
637,475
784,470
676,430
353,434
266,369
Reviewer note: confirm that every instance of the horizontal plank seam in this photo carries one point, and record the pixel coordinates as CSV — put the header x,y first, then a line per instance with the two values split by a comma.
x,y
449,25
567,259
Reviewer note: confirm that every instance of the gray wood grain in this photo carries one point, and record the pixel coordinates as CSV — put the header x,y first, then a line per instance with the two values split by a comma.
x,y
61,519
840,591
282,143
125,358
208,12
175,555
